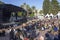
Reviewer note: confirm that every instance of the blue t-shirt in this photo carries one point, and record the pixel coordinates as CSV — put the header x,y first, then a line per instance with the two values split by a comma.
x,y
55,29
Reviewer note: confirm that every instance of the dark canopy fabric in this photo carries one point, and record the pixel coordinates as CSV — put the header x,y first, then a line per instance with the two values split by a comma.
x,y
7,9
11,7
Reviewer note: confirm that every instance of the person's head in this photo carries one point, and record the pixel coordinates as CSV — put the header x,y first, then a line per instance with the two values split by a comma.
x,y
18,30
41,38
48,31
12,29
54,25
53,22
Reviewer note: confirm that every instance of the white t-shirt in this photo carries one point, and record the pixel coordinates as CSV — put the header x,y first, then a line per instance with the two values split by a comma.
x,y
21,37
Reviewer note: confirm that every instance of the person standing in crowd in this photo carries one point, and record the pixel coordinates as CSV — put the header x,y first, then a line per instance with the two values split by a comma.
x,y
55,28
59,32
41,38
49,35
12,35
56,36
19,35
43,28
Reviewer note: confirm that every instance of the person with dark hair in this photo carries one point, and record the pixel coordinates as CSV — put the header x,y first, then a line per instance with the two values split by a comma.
x,y
56,37
49,36
19,34
57,16
12,36
59,35
59,32
55,28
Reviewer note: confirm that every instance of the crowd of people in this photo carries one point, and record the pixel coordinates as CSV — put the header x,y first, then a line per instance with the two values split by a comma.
x,y
40,30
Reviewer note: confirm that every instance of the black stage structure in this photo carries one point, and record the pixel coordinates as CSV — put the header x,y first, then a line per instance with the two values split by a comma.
x,y
6,10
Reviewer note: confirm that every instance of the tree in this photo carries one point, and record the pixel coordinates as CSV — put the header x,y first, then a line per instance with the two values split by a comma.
x,y
32,15
50,8
19,14
29,10
55,6
26,7
36,11
33,8
59,6
22,6
32,11
1,2
41,11
46,6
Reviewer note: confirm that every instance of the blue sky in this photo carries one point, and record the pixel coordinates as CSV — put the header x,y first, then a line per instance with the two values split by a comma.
x,y
37,3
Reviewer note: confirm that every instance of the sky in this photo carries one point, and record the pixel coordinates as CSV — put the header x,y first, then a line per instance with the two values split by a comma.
x,y
37,3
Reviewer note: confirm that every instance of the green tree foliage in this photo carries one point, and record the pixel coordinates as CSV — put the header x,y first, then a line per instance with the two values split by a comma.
x,y
30,10
1,2
19,13
59,6
35,11
55,6
32,15
27,8
50,8
46,7
22,6
33,8
41,11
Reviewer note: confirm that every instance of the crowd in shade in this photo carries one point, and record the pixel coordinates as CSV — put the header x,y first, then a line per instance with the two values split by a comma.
x,y
40,30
